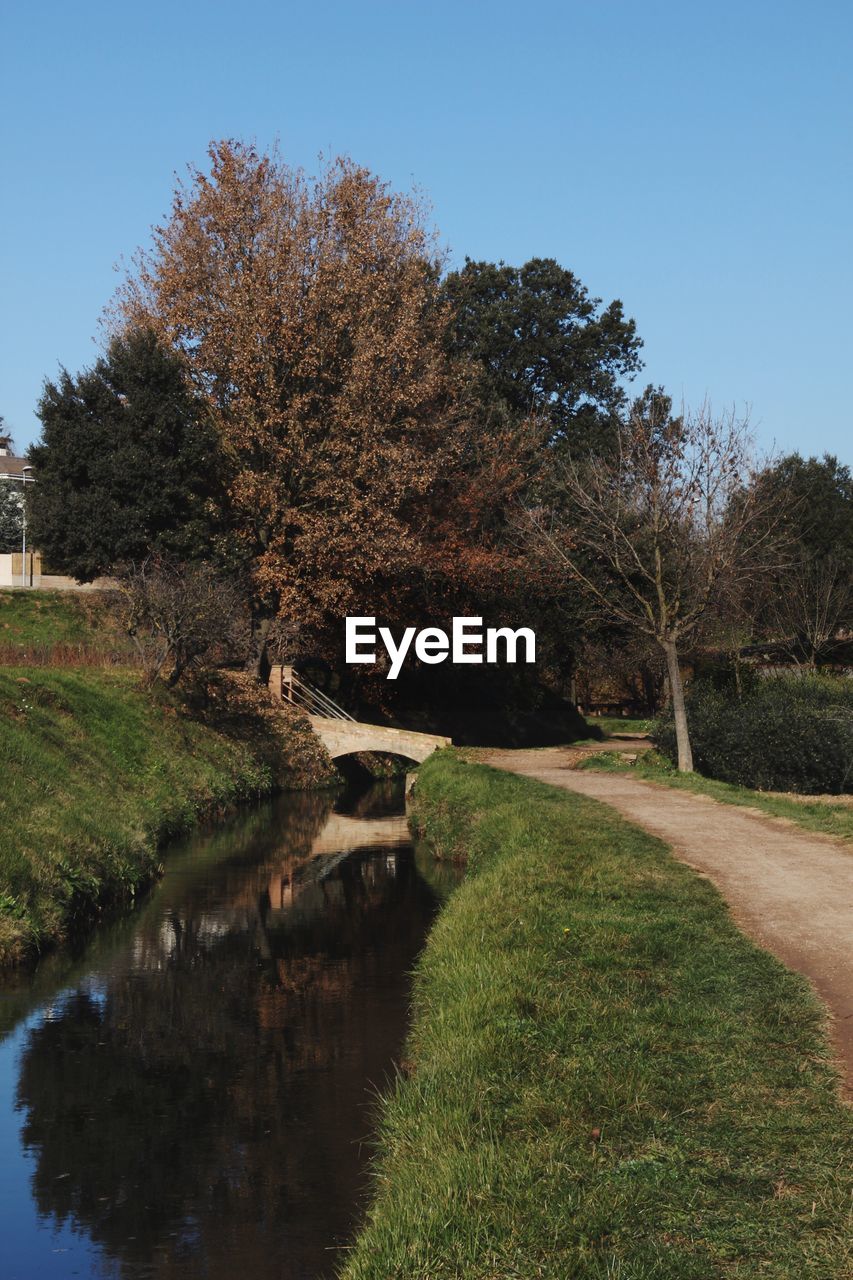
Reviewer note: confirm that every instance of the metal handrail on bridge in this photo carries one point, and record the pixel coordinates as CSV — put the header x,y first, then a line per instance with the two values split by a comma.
x,y
286,684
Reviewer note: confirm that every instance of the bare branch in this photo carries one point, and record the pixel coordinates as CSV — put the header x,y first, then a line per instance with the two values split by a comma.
x,y
658,532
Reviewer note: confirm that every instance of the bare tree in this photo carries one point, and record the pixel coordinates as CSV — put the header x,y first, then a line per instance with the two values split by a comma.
x,y
627,664
812,605
660,529
179,616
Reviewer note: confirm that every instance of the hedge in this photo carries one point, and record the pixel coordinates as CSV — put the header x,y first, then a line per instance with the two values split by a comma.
x,y
782,733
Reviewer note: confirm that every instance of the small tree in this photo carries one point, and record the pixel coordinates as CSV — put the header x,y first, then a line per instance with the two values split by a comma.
x,y
808,603
660,529
813,605
11,516
179,616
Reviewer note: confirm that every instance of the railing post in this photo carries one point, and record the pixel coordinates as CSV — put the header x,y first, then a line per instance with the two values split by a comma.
x,y
280,683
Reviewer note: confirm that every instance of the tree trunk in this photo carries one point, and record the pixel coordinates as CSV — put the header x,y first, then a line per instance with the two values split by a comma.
x,y
676,693
259,664
650,690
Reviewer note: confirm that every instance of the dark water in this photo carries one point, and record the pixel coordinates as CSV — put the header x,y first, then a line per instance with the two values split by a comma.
x,y
191,1096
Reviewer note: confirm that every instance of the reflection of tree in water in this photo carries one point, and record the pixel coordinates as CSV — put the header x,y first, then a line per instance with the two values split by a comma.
x,y
199,1111
284,828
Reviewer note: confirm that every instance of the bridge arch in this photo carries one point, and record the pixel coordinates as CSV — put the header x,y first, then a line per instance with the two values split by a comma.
x,y
349,737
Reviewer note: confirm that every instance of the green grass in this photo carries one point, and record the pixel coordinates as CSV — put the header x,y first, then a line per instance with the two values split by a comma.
x,y
831,816
59,627
96,775
619,724
608,1079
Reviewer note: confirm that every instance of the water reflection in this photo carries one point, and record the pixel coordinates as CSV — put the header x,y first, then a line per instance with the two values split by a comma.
x,y
194,1103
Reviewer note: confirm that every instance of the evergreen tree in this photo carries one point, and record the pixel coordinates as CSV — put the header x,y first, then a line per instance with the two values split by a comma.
x,y
542,345
818,493
127,463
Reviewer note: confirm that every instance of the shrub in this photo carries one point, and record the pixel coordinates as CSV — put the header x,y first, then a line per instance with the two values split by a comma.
x,y
783,733
179,616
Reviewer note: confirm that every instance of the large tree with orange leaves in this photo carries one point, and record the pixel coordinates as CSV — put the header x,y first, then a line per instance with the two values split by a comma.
x,y
308,315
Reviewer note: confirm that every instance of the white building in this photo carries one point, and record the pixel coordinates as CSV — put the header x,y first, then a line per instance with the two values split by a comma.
x,y
12,468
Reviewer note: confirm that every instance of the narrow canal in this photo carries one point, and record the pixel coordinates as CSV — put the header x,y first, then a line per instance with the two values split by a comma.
x,y
193,1096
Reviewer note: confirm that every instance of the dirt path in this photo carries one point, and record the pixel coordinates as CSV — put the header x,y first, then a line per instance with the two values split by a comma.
x,y
790,890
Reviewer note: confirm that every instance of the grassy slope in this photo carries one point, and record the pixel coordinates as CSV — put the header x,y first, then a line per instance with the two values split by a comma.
x,y
609,1079
833,816
47,617
35,624
95,775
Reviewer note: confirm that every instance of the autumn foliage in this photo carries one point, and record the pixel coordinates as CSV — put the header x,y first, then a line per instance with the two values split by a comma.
x,y
359,451
308,315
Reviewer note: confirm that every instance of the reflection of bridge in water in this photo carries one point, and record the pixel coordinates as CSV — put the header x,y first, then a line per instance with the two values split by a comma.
x,y
342,735
340,837
344,834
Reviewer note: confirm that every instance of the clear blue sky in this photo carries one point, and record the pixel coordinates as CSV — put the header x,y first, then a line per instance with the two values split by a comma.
x,y
693,160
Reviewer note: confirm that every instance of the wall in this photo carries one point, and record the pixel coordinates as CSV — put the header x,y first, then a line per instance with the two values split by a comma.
x,y
10,575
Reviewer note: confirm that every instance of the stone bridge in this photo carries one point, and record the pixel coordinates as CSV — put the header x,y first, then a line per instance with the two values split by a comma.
x,y
346,737
340,734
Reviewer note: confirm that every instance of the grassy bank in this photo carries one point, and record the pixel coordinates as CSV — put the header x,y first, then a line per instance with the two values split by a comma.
x,y
96,775
608,1079
831,815
60,628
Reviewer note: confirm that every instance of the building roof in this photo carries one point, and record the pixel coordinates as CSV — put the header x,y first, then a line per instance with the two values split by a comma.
x,y
12,468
